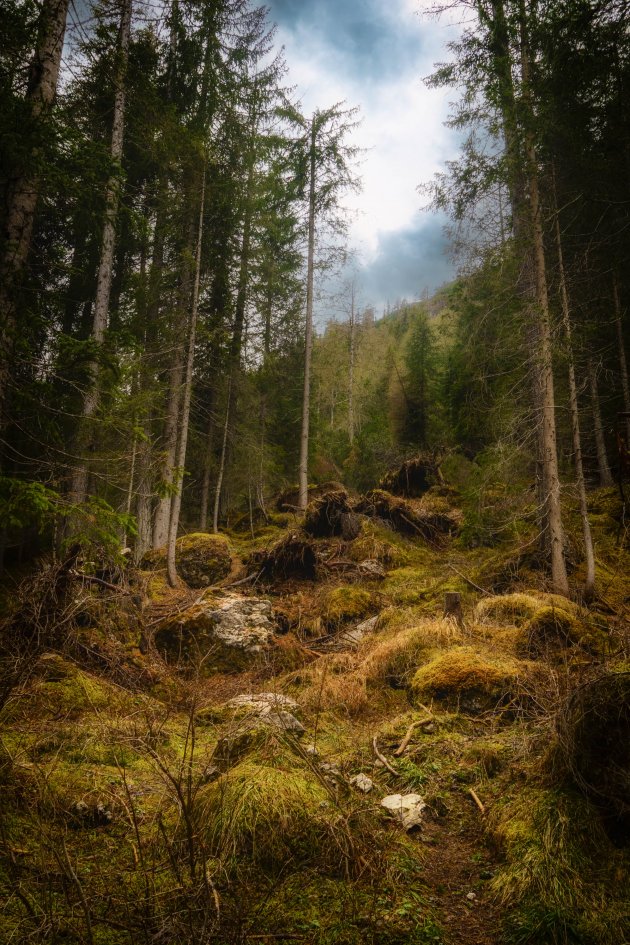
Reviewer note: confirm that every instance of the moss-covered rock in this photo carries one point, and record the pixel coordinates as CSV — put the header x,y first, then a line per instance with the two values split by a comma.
x,y
201,559
464,678
224,635
346,603
517,609
260,813
555,628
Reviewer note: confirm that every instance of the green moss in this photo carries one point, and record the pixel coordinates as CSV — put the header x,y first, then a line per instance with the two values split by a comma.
x,y
201,559
346,603
557,863
554,628
461,676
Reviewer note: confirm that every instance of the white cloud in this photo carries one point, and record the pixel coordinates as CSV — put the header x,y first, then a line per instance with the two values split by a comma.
x,y
402,126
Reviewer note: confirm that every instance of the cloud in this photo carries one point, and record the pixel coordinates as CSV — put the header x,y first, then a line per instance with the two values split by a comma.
x,y
374,55
407,261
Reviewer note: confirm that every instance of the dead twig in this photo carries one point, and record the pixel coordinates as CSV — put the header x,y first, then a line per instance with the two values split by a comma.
x,y
475,798
383,760
409,733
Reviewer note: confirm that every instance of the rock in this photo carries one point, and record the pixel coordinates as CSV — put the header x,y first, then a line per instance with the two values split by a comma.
x,y
407,808
284,721
261,702
371,568
201,559
471,896
369,625
228,634
91,815
350,637
362,783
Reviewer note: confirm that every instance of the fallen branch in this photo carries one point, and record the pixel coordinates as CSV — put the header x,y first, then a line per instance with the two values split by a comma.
x,y
383,760
407,738
475,798
91,579
250,577
481,590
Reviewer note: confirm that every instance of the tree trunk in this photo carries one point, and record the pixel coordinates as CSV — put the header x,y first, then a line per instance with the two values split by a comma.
x,y
589,554
207,470
185,413
351,369
605,475
308,341
623,364
224,442
24,192
237,336
91,399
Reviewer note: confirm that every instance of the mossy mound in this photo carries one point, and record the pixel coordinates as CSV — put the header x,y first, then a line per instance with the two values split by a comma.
x,y
517,609
346,603
201,559
594,731
463,678
268,816
378,544
553,628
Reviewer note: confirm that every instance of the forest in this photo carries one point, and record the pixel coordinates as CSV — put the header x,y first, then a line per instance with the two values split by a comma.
x,y
314,617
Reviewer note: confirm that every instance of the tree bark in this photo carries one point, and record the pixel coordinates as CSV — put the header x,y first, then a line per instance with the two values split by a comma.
x,y
176,504
24,190
589,554
224,442
605,475
308,340
78,489
623,364
351,368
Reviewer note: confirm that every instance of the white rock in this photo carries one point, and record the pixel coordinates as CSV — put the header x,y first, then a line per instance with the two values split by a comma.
x,y
471,896
368,625
362,782
351,637
244,623
262,702
284,721
407,808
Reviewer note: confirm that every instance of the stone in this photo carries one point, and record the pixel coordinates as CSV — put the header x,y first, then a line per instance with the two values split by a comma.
x,y
362,783
471,896
201,559
369,625
222,635
262,702
371,568
284,721
350,637
406,808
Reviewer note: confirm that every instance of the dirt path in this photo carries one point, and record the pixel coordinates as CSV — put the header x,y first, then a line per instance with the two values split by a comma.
x,y
458,866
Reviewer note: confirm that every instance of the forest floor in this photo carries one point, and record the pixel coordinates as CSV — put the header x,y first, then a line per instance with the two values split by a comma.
x,y
140,806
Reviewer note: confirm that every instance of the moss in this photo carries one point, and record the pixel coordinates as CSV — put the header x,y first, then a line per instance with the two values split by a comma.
x,y
461,676
378,544
554,628
261,813
556,860
201,559
346,603
518,608
408,585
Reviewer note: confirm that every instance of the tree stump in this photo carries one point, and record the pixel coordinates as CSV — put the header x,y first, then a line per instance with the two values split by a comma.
x,y
453,607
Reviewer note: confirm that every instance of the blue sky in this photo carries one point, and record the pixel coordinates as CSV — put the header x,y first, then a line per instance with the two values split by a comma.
x,y
374,54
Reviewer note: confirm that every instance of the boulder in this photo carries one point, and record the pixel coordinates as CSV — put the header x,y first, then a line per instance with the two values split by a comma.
x,y
201,559
227,634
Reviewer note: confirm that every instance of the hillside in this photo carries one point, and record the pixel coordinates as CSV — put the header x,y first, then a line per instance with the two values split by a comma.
x,y
173,775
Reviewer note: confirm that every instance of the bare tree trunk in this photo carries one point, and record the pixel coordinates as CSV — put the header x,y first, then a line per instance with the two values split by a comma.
x,y
308,341
224,442
589,554
351,370
544,368
185,414
605,475
207,472
24,192
623,364
78,489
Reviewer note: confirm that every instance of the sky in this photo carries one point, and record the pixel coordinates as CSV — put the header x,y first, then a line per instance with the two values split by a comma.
x,y
374,54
